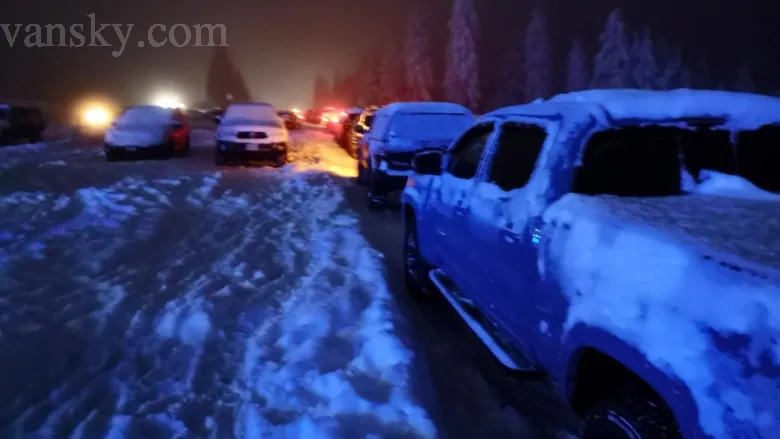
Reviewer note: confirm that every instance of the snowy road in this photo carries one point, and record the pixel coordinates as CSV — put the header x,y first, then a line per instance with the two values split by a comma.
x,y
172,299
168,299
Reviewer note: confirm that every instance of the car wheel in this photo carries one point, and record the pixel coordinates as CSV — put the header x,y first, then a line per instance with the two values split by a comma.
x,y
186,151
632,419
219,159
281,160
416,269
376,193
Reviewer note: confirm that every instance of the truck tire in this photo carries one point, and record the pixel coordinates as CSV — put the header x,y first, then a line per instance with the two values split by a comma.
x,y
281,160
635,418
361,175
376,193
416,269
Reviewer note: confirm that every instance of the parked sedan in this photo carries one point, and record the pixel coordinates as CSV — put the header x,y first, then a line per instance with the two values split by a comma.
x,y
148,130
20,122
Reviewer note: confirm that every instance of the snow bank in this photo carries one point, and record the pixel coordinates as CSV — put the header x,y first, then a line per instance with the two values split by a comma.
x,y
716,183
646,288
336,355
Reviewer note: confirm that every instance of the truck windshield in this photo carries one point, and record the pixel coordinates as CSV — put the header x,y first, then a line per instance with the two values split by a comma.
x,y
420,126
653,160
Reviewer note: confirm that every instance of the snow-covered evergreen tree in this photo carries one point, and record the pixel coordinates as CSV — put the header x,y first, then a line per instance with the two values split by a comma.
x,y
461,75
612,65
745,80
576,69
321,91
508,86
391,77
419,70
367,78
537,66
644,69
702,75
674,74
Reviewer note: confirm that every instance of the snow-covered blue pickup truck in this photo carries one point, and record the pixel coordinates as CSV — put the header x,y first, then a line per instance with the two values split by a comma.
x,y
623,244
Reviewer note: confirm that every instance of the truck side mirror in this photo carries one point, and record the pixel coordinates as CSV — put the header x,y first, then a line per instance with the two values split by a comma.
x,y
218,119
428,163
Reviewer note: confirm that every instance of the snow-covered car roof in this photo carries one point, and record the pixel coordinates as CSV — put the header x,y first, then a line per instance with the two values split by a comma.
x,y
740,111
145,114
423,107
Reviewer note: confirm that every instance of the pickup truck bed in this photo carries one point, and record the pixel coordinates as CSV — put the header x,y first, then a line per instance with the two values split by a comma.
x,y
739,232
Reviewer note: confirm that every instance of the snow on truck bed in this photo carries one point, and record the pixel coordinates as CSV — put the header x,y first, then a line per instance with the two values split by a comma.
x,y
745,232
656,269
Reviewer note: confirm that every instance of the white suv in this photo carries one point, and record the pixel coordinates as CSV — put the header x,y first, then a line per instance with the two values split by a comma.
x,y
400,131
251,132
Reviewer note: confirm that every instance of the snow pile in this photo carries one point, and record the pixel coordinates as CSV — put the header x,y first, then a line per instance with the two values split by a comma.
x,y
637,283
313,151
716,183
330,354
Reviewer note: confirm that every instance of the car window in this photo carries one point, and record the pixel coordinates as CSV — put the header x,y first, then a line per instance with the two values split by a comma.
x,y
380,126
518,147
422,126
467,152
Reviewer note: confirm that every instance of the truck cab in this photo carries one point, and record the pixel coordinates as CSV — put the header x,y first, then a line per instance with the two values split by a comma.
x,y
573,237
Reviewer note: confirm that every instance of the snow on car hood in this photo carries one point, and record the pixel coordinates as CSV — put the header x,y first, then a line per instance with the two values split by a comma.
x,y
136,135
693,269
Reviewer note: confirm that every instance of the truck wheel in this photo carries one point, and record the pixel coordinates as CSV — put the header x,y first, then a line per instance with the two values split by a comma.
x,y
639,418
281,160
416,269
361,177
376,193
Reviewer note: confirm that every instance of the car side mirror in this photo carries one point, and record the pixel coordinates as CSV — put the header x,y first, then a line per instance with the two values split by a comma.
x,y
360,129
428,163
218,119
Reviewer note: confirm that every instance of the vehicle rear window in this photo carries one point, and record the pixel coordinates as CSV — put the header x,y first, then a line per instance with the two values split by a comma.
x,y
251,113
419,126
145,116
650,160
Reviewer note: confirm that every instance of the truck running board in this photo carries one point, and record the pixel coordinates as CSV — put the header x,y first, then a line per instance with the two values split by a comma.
x,y
480,326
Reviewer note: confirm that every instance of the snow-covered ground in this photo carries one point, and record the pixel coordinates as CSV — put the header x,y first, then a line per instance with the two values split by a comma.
x,y
203,303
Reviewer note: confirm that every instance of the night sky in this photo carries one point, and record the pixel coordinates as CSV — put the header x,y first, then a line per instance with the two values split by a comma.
x,y
281,45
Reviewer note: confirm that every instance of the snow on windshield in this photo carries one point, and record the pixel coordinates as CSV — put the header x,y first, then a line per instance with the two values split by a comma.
x,y
421,126
251,112
146,115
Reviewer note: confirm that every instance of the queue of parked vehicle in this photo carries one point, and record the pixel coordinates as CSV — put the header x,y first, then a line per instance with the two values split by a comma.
x,y
21,123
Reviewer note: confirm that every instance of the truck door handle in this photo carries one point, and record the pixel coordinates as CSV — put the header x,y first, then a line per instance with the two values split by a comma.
x,y
510,237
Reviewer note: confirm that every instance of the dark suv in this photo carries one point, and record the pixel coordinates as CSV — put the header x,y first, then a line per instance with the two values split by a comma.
x,y
20,123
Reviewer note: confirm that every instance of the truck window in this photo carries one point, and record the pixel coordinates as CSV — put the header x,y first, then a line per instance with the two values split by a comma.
x,y
758,157
518,148
648,160
632,161
467,152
